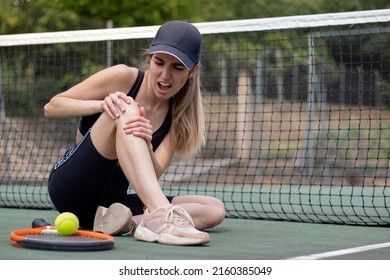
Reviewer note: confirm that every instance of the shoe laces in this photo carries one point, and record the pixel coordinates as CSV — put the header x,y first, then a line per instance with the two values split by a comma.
x,y
180,215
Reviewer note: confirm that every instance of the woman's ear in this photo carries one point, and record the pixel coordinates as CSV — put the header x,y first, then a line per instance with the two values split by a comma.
x,y
194,70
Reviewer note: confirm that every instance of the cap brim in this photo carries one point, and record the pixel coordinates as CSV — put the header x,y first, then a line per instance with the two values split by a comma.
x,y
187,62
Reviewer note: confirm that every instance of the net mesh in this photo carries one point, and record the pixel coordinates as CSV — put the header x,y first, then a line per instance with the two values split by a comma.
x,y
297,114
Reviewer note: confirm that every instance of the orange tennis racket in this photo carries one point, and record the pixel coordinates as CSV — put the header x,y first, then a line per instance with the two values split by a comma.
x,y
45,237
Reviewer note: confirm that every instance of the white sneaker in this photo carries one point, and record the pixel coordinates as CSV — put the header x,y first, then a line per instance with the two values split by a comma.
x,y
114,220
172,226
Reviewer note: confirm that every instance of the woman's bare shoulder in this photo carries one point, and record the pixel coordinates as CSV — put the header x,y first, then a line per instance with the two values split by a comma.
x,y
122,74
124,71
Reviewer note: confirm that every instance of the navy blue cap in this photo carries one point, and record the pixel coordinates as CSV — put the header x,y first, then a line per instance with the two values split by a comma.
x,y
180,39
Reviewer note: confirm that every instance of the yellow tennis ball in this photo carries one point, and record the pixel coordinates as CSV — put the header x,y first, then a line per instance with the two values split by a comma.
x,y
66,223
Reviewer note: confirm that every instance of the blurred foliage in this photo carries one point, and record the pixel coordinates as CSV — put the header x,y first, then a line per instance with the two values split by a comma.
x,y
28,16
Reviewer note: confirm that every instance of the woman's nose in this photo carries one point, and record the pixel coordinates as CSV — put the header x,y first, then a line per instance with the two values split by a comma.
x,y
165,73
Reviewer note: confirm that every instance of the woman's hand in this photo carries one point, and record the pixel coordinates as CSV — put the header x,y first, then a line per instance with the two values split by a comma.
x,y
113,104
140,127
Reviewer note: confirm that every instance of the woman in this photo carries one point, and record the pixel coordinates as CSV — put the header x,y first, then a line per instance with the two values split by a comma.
x,y
133,122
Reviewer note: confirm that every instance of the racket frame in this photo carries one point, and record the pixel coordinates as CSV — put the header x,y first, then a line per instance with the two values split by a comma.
x,y
20,238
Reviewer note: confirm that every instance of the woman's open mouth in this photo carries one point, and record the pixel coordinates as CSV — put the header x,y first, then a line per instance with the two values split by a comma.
x,y
164,86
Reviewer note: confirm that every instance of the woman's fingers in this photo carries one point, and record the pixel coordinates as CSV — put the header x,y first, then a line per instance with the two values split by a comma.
x,y
113,104
140,127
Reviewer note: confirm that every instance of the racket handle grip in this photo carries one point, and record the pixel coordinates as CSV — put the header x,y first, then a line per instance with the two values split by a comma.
x,y
39,223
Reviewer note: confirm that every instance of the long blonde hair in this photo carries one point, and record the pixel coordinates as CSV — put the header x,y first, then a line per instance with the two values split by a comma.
x,y
188,120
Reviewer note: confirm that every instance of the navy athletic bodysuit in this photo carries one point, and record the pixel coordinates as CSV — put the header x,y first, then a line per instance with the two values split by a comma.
x,y
82,179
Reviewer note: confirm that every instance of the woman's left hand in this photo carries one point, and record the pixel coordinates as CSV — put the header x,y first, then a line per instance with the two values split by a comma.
x,y
140,127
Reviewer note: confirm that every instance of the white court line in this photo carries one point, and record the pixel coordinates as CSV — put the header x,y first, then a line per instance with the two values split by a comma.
x,y
342,252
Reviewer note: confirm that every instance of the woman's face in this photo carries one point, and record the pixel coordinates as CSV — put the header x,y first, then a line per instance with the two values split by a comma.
x,y
167,74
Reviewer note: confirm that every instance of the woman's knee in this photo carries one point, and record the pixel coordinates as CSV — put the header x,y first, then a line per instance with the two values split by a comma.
x,y
217,212
207,211
127,110
131,109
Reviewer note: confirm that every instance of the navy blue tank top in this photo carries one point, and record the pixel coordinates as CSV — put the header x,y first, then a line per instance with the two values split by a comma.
x,y
86,122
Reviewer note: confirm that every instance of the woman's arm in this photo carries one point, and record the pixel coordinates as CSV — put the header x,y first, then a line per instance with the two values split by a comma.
x,y
87,97
163,156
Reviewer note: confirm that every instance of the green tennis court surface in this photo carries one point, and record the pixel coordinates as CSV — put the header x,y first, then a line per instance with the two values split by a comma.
x,y
234,239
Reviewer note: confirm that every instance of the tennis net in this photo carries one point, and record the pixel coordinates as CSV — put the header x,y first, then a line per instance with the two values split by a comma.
x,y
297,114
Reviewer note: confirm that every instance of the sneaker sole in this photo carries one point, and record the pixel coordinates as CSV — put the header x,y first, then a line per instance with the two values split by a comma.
x,y
112,220
144,234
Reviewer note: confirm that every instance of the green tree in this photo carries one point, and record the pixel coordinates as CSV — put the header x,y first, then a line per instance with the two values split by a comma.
x,y
134,12
22,16
241,9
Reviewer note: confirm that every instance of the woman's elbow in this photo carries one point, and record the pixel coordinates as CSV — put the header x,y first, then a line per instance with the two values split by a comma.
x,y
46,110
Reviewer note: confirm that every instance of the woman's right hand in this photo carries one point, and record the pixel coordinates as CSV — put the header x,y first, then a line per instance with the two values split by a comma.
x,y
140,127
113,104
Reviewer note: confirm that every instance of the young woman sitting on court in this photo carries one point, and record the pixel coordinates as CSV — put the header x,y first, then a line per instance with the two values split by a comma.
x,y
132,124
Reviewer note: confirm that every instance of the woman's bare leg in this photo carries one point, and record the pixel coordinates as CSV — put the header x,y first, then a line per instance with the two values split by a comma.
x,y
206,212
132,152
161,222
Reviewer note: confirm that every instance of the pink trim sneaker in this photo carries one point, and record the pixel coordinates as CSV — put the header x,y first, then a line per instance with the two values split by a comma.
x,y
172,226
114,220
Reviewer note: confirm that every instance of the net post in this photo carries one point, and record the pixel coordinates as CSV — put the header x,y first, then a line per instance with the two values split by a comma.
x,y
308,162
4,137
245,117
109,25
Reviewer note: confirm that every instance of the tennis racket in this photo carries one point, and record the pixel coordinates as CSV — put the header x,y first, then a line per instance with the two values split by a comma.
x,y
45,237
